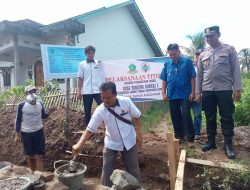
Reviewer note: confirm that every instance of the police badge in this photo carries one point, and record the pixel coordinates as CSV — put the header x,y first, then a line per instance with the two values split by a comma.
x,y
205,63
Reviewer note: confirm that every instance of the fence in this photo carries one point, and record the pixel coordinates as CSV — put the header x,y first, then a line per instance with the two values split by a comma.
x,y
57,98
4,88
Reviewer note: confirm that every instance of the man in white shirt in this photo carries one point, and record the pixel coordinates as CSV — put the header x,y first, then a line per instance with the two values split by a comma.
x,y
90,78
117,113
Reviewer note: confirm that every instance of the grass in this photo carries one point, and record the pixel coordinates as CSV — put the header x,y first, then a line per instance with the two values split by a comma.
x,y
190,151
227,179
153,116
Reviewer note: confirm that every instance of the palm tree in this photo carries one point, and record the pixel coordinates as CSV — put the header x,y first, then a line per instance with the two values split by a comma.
x,y
244,57
197,42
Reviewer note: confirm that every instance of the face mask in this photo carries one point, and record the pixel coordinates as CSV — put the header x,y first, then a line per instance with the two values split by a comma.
x,y
31,98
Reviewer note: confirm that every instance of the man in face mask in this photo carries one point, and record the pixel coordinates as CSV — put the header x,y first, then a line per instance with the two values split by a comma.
x,y
29,128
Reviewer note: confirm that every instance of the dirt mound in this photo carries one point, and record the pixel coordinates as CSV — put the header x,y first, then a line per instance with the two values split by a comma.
x,y
56,142
152,155
242,137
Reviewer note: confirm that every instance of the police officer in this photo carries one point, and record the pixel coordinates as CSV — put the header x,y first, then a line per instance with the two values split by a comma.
x,y
218,81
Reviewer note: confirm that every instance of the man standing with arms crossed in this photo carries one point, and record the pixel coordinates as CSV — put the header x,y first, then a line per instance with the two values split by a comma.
x,y
218,80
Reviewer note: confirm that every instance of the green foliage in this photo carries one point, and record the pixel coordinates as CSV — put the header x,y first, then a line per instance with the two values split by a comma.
x,y
15,92
190,151
242,108
153,116
30,82
50,86
197,42
226,179
18,91
244,58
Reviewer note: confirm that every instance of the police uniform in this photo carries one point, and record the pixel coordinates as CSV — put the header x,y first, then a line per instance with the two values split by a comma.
x,y
218,75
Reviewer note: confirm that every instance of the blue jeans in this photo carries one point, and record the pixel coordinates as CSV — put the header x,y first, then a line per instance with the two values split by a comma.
x,y
197,108
181,119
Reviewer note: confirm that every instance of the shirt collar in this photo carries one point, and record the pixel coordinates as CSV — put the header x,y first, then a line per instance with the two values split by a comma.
x,y
179,61
116,103
90,61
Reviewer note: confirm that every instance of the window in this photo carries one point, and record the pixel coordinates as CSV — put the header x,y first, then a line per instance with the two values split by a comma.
x,y
30,72
6,77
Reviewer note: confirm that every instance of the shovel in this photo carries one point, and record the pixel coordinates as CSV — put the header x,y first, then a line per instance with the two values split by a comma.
x,y
72,167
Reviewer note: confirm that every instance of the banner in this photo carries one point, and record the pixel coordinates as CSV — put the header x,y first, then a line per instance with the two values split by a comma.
x,y
61,61
138,79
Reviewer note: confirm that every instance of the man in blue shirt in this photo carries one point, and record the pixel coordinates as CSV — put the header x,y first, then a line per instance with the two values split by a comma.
x,y
178,87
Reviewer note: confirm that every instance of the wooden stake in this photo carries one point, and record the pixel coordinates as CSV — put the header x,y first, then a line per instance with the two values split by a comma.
x,y
172,159
177,151
180,171
66,127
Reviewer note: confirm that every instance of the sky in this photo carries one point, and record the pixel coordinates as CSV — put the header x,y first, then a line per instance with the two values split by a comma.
x,y
169,20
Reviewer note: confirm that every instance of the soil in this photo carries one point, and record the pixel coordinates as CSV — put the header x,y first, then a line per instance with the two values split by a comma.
x,y
13,184
152,154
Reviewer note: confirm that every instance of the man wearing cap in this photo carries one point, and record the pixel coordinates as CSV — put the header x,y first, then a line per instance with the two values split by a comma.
x,y
218,81
178,87
196,105
90,78
29,128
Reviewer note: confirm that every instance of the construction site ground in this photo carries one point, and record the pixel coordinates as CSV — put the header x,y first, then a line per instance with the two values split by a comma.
x,y
153,159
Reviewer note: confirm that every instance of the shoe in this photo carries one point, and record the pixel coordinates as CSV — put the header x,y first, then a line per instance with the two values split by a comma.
x,y
197,137
228,148
191,140
181,140
210,145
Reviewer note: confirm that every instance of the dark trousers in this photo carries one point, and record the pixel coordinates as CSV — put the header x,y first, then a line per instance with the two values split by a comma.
x,y
87,104
130,159
224,101
181,119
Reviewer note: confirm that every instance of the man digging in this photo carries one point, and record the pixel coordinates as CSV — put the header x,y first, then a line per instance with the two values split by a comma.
x,y
117,113
29,128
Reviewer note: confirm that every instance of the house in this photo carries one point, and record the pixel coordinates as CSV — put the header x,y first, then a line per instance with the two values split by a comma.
x,y
117,32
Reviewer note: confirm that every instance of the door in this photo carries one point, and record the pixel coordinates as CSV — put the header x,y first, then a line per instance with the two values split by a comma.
x,y
39,78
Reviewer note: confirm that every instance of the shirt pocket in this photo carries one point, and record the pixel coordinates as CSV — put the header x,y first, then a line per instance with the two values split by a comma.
x,y
171,74
205,62
223,58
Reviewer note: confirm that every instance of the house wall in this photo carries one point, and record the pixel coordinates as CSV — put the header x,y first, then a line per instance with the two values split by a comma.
x,y
28,57
115,36
29,41
59,39
6,42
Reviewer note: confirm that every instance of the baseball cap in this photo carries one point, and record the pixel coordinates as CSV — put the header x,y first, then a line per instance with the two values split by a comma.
x,y
211,30
29,88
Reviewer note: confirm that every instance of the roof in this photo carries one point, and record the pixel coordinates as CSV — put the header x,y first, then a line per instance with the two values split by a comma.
x,y
29,27
71,26
136,14
21,26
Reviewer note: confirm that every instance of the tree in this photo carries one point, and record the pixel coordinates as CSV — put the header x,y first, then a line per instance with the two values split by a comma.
x,y
244,58
197,42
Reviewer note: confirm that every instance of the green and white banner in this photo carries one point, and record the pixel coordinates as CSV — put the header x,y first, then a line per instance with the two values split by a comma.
x,y
138,79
